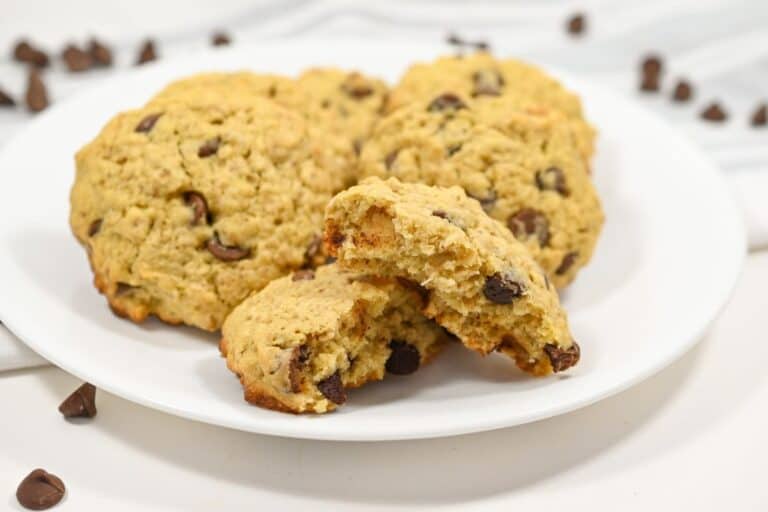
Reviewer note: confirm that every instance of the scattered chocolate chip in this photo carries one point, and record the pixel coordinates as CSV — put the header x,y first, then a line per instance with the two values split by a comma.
x,y
577,24
552,178
529,222
562,359
209,147
147,52
487,202
357,86
199,205
37,95
146,124
26,52
40,490
220,39
714,112
446,101
404,358
455,40
6,100
683,91
652,65
306,274
487,82
299,358
389,160
95,227
100,53
226,252
568,260
76,59
81,403
333,389
440,213
649,83
502,288
760,116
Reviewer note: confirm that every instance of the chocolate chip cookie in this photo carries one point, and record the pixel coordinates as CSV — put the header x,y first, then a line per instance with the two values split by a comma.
x,y
480,283
185,208
301,342
480,76
518,159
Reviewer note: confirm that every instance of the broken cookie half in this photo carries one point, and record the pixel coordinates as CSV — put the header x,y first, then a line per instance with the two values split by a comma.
x,y
479,282
301,342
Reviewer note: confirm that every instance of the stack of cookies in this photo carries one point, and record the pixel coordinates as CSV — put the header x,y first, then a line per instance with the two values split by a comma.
x,y
336,230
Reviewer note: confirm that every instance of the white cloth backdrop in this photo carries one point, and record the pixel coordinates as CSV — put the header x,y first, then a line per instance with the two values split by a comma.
x,y
721,46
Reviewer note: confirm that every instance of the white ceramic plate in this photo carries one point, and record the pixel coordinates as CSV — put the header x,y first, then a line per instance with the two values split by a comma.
x,y
669,255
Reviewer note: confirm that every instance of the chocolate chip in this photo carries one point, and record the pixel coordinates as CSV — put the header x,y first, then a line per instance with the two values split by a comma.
x,y
306,274
40,490
220,39
357,146
147,52
552,178
760,116
487,82
404,358
568,261
649,83
100,53
562,359
146,124
226,252
452,150
529,222
482,46
123,288
683,91
26,52
416,287
446,101
209,147
95,227
389,160
330,260
199,205
336,238
81,403
502,288
455,40
440,213
76,59
333,389
714,112
357,86
6,100
576,24
652,65
37,95
299,358
487,202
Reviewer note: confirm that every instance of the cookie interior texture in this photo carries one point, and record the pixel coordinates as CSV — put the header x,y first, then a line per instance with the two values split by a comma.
x,y
299,343
186,208
518,159
480,76
482,284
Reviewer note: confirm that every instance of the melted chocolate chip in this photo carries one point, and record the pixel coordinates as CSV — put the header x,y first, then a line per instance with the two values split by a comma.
x,y
562,359
306,274
527,223
568,261
37,94
209,147
356,86
552,178
81,403
404,358
40,490
488,82
95,227
333,389
503,288
199,205
146,124
226,252
299,358
446,101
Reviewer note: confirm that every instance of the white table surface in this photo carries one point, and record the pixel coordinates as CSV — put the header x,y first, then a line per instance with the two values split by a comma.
x,y
693,437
